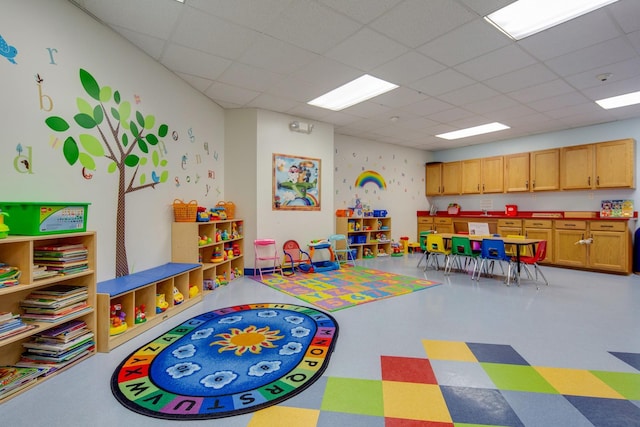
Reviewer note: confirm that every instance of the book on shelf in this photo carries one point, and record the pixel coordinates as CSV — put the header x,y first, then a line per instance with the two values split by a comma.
x,y
6,315
52,302
12,325
9,275
57,311
63,332
58,348
53,318
60,290
15,378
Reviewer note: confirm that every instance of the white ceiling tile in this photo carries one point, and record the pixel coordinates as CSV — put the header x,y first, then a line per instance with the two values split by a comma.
x,y
242,75
233,94
613,88
270,102
519,79
627,15
152,46
198,83
428,106
615,50
191,61
471,40
467,94
442,82
490,105
560,101
276,56
407,68
451,115
415,22
257,15
366,50
363,11
544,90
400,97
496,63
619,71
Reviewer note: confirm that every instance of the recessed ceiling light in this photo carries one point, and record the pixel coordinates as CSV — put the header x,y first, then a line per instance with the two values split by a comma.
x,y
523,18
180,1
476,130
354,92
619,101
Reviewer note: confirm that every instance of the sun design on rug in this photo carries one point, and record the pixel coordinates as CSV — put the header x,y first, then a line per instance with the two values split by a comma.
x,y
248,339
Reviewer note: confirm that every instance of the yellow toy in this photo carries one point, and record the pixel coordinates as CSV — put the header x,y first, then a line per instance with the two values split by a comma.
x,y
177,296
193,291
117,320
161,304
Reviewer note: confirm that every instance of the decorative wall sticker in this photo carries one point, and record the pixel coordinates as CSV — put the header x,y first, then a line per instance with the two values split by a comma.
x,y
370,176
137,99
212,174
183,162
206,148
215,155
53,141
22,162
51,50
192,137
85,174
174,135
46,103
177,181
123,137
39,79
8,51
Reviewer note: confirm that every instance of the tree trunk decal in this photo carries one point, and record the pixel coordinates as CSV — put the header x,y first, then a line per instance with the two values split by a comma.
x,y
129,143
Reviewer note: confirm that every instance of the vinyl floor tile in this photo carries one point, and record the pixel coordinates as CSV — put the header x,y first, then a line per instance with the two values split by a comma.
x,y
577,382
353,396
628,385
496,353
607,412
407,369
545,410
448,350
517,377
479,406
414,401
632,359
278,416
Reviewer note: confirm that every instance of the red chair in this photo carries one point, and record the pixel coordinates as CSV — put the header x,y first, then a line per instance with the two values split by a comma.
x,y
294,256
540,255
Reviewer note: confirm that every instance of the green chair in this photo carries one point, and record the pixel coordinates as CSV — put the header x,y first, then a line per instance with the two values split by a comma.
x,y
461,249
423,246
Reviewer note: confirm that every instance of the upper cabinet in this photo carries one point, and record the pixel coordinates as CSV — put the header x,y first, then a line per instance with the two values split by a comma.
x,y
545,170
516,172
493,174
451,178
603,165
471,176
433,177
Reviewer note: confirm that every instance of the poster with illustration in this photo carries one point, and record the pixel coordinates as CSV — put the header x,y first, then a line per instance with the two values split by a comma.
x,y
296,183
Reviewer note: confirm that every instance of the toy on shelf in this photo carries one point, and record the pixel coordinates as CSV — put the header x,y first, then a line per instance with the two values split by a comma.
x,y
217,256
218,236
202,214
224,235
4,228
117,320
208,284
234,231
236,249
222,280
193,291
161,304
382,252
141,315
204,240
367,253
177,296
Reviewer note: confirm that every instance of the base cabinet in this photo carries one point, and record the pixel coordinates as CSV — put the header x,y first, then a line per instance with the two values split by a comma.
x,y
368,236
18,251
541,229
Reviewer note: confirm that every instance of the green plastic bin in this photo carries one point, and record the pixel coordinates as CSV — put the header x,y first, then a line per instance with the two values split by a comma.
x,y
37,219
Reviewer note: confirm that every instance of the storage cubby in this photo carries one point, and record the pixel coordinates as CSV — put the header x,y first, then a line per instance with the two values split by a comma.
x,y
366,234
142,288
18,251
189,244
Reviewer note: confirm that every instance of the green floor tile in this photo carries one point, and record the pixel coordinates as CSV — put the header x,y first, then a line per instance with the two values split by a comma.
x,y
517,378
353,396
627,384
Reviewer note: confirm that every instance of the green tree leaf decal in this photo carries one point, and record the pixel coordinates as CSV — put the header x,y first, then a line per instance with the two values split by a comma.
x,y
163,130
98,115
91,145
87,161
140,119
90,84
116,97
113,166
105,94
85,120
149,122
115,113
131,160
70,150
143,179
151,139
57,124
155,159
83,106
125,140
164,176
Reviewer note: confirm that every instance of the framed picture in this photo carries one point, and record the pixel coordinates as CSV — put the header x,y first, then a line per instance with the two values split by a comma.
x,y
296,183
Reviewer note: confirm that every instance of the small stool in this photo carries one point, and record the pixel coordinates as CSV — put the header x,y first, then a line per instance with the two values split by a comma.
x,y
413,247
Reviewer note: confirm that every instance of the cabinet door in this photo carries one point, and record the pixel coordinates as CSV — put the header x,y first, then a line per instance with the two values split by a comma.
x,y
545,170
493,174
615,164
433,178
542,234
566,251
576,167
609,251
424,224
443,225
516,172
471,176
451,178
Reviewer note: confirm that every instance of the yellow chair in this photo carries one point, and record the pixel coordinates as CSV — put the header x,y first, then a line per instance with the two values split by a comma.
x,y
511,251
436,247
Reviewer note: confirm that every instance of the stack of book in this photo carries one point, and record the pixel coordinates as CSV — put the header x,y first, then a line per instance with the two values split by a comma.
x,y
11,324
15,378
55,303
62,259
58,347
9,275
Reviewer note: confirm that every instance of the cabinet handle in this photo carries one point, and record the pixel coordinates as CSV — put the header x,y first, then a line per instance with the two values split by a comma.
x,y
589,181
482,187
607,226
479,187
526,184
598,180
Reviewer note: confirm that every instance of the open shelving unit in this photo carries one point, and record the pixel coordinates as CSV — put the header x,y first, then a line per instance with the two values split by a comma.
x,y
366,233
18,251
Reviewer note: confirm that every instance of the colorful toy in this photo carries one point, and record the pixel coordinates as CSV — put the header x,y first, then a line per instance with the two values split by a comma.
x,y
161,304
193,291
177,296
382,252
236,249
217,256
208,284
396,250
141,315
366,253
204,240
117,320
4,228
224,235
218,236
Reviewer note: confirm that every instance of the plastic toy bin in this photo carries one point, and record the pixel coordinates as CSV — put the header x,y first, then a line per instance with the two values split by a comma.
x,y
36,218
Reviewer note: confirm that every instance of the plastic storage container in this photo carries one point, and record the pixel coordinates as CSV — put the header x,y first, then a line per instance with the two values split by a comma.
x,y
36,218
511,210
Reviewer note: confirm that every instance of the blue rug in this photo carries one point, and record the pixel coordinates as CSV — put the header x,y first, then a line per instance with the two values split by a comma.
x,y
227,362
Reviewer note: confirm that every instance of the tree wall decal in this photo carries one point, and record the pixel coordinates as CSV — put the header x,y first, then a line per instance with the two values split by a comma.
x,y
128,141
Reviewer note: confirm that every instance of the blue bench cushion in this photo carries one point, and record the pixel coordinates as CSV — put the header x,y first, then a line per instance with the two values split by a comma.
x,y
130,282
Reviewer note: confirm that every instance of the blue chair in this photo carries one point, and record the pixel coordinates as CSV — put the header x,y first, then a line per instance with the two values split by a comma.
x,y
492,251
341,249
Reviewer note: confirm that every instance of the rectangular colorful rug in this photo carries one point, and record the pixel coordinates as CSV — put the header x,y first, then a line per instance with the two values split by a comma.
x,y
347,287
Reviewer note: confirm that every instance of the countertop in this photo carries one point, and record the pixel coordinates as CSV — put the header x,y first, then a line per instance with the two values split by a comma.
x,y
577,215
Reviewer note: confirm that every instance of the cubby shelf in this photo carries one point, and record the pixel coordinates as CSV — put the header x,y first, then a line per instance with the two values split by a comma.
x,y
366,234
18,251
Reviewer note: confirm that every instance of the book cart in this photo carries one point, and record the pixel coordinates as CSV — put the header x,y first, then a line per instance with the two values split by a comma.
x,y
18,251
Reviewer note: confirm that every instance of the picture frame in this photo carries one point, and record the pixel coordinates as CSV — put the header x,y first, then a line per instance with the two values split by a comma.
x,y
296,183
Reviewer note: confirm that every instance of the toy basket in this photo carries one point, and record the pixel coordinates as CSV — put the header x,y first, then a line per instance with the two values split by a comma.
x,y
229,208
185,212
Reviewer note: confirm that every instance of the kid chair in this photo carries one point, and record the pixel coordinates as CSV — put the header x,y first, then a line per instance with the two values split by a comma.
x,y
341,249
294,255
266,252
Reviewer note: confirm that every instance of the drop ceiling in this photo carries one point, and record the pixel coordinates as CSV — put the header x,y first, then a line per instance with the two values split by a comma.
x,y
454,69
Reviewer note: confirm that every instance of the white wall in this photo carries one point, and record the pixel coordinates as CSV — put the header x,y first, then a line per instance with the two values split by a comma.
x,y
78,41
554,201
404,174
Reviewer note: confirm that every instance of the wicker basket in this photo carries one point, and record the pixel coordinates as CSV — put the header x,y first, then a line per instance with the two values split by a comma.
x,y
185,212
229,208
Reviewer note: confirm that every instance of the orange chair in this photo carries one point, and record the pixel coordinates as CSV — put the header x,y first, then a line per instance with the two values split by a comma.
x,y
540,255
293,257
266,256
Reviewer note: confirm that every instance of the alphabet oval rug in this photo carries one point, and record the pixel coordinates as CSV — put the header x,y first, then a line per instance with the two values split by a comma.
x,y
227,362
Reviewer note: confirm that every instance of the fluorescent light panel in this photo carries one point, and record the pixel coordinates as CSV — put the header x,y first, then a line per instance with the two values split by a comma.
x,y
354,92
526,17
620,100
476,130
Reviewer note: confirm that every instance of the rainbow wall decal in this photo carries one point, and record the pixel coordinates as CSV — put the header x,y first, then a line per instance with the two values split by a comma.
x,y
373,177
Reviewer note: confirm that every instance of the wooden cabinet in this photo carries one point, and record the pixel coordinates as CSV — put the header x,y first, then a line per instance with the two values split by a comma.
x,y
18,251
598,245
443,225
425,223
451,178
433,179
510,227
217,245
368,235
545,170
602,165
471,171
541,229
516,172
493,175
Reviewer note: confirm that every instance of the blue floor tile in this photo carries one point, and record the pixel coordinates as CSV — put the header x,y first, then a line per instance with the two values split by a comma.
x,y
496,353
607,412
632,359
545,410
479,406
